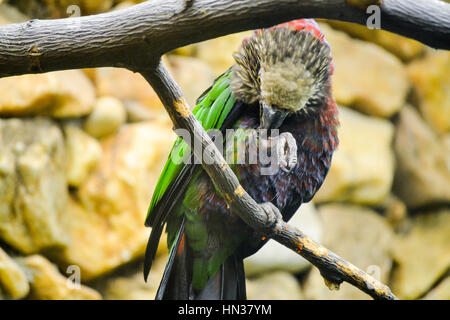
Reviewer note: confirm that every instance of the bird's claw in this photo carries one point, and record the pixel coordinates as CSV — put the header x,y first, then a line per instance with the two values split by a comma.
x,y
286,151
273,215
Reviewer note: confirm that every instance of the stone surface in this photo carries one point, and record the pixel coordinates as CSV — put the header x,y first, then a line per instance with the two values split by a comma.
x,y
218,52
126,85
274,286
193,75
360,236
366,77
441,292
61,9
133,287
263,261
404,48
33,186
430,77
9,14
362,168
106,118
106,222
137,112
55,94
13,281
423,167
83,154
48,284
394,210
422,255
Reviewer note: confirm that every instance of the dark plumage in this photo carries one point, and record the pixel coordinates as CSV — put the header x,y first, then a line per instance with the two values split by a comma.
x,y
281,80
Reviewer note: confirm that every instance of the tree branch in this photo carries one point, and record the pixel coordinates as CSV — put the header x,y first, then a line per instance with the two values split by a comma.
x,y
333,268
131,37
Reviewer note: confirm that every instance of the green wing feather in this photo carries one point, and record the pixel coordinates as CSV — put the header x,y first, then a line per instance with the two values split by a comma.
x,y
211,111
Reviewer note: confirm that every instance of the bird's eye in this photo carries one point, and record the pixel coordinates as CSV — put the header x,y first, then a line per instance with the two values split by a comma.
x,y
259,79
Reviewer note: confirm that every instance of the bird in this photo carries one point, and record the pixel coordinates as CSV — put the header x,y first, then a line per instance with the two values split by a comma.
x,y
280,80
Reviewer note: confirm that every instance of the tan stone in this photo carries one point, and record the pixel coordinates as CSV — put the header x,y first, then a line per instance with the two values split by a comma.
x,y
137,112
404,48
9,14
48,284
133,287
33,187
193,75
361,237
108,115
55,94
218,52
126,85
431,81
440,292
366,77
274,286
362,168
83,154
422,254
61,8
106,226
13,281
422,175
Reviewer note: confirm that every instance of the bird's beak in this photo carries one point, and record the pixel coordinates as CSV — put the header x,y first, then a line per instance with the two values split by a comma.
x,y
271,118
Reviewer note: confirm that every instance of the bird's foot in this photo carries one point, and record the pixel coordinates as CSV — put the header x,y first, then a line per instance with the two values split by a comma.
x,y
285,151
273,215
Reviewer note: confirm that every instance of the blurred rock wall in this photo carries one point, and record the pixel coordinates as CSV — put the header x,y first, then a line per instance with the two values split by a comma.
x,y
81,151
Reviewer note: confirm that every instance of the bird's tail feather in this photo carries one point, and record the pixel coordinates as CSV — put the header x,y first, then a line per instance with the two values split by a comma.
x,y
227,284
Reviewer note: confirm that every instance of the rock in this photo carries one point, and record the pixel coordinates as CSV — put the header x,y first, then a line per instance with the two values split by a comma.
x,y
359,81
404,48
186,51
423,167
361,237
48,284
430,77
133,287
395,210
9,14
285,259
274,286
96,6
55,94
441,292
108,115
193,75
83,153
126,85
44,9
106,223
13,281
33,186
218,52
422,254
362,168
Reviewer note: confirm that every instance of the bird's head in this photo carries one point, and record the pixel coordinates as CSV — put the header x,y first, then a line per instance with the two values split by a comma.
x,y
285,69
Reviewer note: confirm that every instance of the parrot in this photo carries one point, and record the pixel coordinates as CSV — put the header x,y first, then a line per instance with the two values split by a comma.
x,y
280,80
